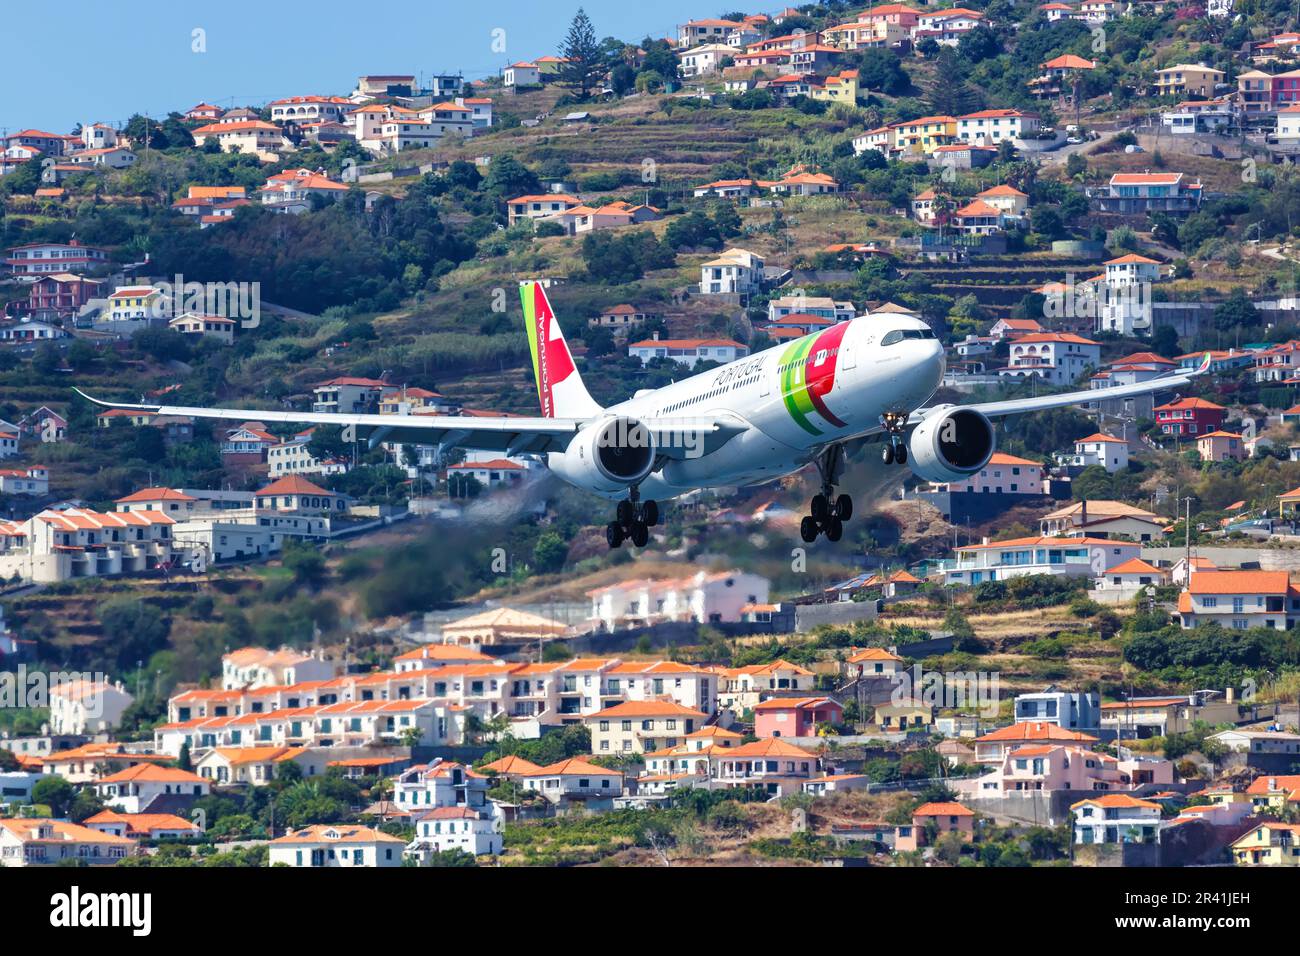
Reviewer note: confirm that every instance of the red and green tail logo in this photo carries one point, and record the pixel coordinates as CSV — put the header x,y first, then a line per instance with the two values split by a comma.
x,y
552,362
808,375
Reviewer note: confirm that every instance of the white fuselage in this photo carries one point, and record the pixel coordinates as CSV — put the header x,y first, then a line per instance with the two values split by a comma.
x,y
828,386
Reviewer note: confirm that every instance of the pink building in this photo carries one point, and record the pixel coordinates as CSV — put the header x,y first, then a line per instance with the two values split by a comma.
x,y
948,817
1004,474
795,716
1052,767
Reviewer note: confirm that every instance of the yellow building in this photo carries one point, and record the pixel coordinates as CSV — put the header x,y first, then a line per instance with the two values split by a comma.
x,y
642,726
838,88
1188,79
1269,844
895,717
926,134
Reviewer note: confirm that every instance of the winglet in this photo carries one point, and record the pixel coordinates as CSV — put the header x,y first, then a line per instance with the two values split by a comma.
x,y
1204,365
126,405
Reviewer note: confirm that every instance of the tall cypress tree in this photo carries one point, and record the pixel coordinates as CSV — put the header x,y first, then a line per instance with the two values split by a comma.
x,y
584,63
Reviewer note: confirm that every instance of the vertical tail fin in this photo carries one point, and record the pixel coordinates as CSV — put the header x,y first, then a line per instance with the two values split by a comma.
x,y
559,387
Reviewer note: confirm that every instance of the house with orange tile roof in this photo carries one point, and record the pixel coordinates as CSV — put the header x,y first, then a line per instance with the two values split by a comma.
x,y
437,655
1269,844
795,716
89,762
295,494
134,789
1240,599
641,726
79,542
930,821
871,661
144,826
1106,451
256,766
252,137
1003,475
1057,556
576,781
687,352
455,827
1274,793
344,846
1132,575
778,767
252,667
1056,357
1050,767
440,783
1116,818
87,705
42,842
1220,445
992,747
741,689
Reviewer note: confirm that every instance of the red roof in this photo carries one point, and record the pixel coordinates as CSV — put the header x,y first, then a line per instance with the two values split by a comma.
x,y
293,485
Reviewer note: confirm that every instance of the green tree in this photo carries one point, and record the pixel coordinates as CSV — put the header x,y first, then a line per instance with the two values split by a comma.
x,y
550,552
55,792
584,64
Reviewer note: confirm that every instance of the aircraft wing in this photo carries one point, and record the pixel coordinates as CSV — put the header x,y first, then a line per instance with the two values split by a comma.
x,y
510,435
1018,406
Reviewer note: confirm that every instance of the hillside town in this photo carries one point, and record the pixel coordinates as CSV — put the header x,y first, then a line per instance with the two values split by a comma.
x,y
250,641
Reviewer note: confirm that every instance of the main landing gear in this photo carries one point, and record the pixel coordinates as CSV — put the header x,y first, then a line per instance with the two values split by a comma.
x,y
895,449
828,511
633,519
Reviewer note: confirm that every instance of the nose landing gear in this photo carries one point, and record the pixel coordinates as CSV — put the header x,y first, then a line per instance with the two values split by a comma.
x,y
633,520
828,511
894,450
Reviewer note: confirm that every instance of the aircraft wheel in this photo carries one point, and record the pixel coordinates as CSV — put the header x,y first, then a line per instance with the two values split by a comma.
x,y
650,513
844,507
626,513
640,534
821,508
887,454
835,530
900,454
614,534
808,529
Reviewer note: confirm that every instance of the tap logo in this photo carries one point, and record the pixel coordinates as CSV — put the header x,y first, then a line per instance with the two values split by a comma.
x,y
808,375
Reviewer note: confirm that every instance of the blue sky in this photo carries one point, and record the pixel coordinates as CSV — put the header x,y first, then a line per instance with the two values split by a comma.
x,y
115,59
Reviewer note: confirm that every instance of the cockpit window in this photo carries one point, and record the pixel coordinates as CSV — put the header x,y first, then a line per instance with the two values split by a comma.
x,y
897,335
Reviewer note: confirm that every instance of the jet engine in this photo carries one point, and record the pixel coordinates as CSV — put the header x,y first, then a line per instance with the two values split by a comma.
x,y
950,443
607,456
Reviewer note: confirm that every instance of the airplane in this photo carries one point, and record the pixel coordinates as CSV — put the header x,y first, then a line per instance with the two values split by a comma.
x,y
750,421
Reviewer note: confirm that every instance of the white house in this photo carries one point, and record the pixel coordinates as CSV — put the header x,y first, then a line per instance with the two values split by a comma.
x,y
735,272
990,127
133,790
251,667
521,74
341,845
476,832
1107,451
703,597
1240,600
1073,557
1057,357
687,351
85,706
704,59
1116,818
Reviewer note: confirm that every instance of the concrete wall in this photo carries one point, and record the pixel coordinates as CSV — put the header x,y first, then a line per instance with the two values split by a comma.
x,y
1270,559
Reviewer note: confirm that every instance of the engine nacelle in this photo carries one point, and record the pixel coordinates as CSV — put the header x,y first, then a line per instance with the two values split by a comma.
x,y
607,456
951,443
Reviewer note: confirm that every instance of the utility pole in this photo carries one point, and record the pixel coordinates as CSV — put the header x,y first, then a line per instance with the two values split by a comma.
x,y
1187,536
